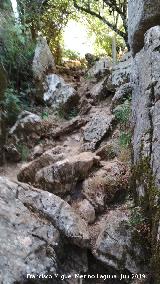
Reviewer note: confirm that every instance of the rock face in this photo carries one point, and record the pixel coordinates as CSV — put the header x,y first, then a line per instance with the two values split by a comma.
x,y
31,224
63,175
43,61
58,94
146,138
117,230
142,16
146,83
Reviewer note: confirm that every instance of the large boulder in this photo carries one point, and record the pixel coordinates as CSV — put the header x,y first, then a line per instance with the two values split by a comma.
x,y
58,94
43,61
103,186
63,175
31,224
142,15
116,245
27,126
98,127
29,170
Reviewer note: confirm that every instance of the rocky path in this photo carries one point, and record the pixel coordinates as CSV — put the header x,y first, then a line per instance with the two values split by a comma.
x,y
67,203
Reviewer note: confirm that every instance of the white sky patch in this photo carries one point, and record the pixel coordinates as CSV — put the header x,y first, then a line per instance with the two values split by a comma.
x,y
76,38
15,10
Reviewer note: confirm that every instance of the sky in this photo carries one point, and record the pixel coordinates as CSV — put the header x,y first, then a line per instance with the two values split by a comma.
x,y
75,35
76,38
14,5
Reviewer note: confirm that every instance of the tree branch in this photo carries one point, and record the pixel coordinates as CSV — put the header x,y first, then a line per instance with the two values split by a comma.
x,y
103,19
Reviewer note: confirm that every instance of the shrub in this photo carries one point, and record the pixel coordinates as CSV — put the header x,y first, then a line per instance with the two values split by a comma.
x,y
137,217
45,115
125,139
123,112
24,151
11,105
71,54
17,52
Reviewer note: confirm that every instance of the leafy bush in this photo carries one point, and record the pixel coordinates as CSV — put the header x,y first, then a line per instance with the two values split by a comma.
x,y
125,139
24,151
136,216
17,52
11,105
45,115
123,112
71,54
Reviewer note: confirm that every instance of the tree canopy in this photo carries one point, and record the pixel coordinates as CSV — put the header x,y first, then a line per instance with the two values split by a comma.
x,y
100,10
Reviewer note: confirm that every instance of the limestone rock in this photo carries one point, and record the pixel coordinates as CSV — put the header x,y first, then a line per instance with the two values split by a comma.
x,y
145,108
102,186
109,150
43,61
101,68
97,128
12,154
37,151
86,210
121,94
121,72
146,127
31,222
63,175
101,90
29,170
26,127
142,16
116,246
58,94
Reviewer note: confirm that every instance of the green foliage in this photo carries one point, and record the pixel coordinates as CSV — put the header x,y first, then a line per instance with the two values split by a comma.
x,y
11,105
45,115
103,36
125,139
137,217
70,54
111,13
49,18
24,151
123,112
54,18
17,52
